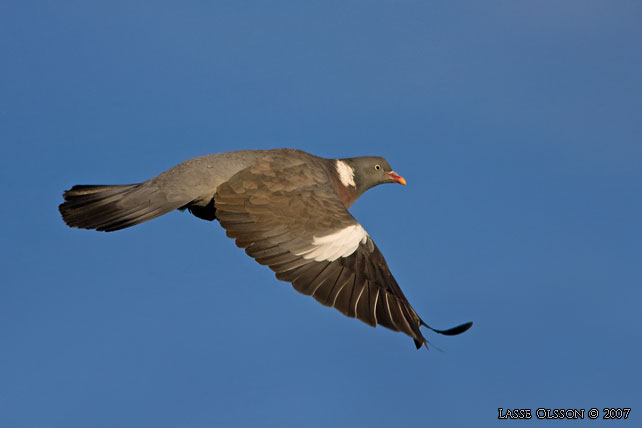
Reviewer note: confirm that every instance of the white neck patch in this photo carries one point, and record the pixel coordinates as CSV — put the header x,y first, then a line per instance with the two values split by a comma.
x,y
346,173
341,243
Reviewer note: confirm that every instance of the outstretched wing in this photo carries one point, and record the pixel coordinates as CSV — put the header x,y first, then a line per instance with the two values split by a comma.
x,y
291,220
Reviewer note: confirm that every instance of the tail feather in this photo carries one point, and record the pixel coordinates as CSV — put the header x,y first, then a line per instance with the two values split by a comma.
x,y
108,208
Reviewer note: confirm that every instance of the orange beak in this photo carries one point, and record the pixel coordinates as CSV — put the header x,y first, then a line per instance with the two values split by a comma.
x,y
396,177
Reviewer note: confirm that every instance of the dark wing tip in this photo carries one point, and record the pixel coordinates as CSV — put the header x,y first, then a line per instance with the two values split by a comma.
x,y
462,328
453,331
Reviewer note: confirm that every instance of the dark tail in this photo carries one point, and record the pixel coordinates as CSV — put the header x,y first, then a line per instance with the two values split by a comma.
x,y
109,208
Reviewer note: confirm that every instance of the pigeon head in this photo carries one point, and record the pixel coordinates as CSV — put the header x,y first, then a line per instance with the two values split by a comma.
x,y
363,173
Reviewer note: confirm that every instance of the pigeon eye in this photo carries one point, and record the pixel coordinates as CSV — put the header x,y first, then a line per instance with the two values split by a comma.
x,y
377,167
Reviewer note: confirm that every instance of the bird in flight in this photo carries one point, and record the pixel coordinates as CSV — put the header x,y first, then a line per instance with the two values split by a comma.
x,y
288,209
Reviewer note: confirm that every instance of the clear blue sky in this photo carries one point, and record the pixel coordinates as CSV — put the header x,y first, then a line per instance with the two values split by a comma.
x,y
517,124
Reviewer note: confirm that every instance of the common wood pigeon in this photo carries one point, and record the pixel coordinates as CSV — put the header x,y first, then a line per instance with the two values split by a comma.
x,y
288,209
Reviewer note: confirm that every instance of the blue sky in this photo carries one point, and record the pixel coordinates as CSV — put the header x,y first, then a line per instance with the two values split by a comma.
x,y
518,126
